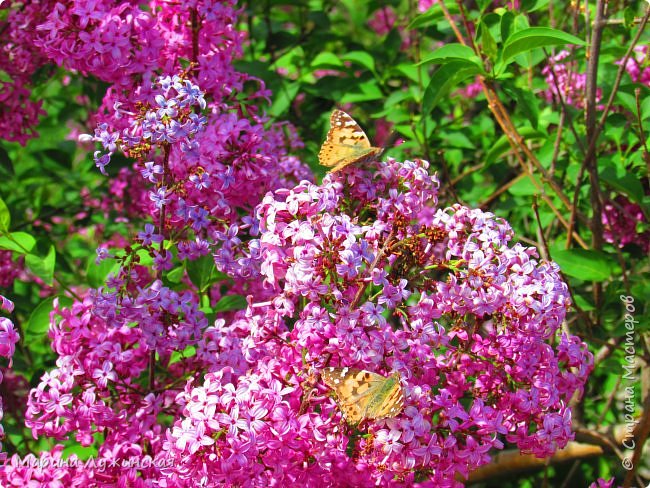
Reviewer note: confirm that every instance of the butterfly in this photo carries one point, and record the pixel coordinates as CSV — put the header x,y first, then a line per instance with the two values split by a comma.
x,y
365,395
346,143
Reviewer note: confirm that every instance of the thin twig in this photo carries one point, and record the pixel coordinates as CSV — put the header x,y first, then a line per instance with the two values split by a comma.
x,y
617,82
565,111
505,187
544,245
514,138
556,144
466,173
644,142
590,163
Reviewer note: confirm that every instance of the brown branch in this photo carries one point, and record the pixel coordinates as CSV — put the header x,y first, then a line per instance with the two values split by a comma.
x,y
514,138
565,111
505,187
590,161
588,444
591,150
508,463
642,137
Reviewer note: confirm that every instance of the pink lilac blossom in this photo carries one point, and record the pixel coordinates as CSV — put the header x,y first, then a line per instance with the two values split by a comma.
x,y
19,60
638,65
602,483
9,269
8,339
467,323
424,5
563,81
363,270
382,20
472,90
621,219
200,176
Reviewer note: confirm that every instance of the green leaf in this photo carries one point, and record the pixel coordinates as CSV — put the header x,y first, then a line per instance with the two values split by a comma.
x,y
96,273
21,242
628,17
39,321
363,92
176,274
624,182
502,145
488,44
645,108
455,139
532,5
584,264
533,37
626,100
408,70
526,186
230,302
506,26
583,303
527,102
43,267
432,16
443,80
5,217
483,4
178,356
283,97
203,272
453,53
80,451
326,59
360,57
291,60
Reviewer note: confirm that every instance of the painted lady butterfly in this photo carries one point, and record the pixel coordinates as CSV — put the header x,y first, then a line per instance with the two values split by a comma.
x,y
365,395
346,144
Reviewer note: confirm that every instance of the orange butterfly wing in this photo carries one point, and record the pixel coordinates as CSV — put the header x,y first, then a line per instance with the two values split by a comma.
x,y
346,143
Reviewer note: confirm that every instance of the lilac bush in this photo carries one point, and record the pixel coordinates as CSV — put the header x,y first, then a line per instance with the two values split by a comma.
x,y
197,362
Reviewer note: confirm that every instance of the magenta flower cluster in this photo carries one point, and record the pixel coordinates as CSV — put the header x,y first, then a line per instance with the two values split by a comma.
x,y
565,83
624,223
8,339
364,270
19,60
638,65
367,272
9,269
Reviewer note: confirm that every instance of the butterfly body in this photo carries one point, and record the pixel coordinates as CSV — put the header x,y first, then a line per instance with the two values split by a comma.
x,y
365,395
346,144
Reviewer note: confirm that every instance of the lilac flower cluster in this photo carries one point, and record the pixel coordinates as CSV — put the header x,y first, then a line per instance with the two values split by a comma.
x,y
367,272
19,60
9,269
383,20
624,223
638,66
170,120
564,81
199,178
8,339
363,270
